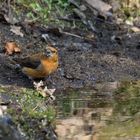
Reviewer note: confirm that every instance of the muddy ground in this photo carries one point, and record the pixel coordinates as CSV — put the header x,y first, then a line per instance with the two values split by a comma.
x,y
111,56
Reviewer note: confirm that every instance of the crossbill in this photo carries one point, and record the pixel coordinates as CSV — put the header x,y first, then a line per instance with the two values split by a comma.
x,y
40,65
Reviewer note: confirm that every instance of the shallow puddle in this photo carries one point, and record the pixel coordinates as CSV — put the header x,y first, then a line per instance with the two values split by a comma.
x,y
107,112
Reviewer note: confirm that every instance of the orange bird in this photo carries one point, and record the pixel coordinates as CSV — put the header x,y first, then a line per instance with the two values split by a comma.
x,y
40,65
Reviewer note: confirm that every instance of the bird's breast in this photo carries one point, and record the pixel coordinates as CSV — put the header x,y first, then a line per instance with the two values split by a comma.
x,y
49,66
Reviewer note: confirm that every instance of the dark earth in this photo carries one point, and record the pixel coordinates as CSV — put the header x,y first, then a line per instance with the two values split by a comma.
x,y
112,56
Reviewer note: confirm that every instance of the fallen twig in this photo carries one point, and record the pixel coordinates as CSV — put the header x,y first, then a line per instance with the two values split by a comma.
x,y
78,36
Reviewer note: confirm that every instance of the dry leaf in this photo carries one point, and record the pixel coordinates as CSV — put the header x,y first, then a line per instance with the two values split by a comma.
x,y
135,29
44,91
16,30
12,47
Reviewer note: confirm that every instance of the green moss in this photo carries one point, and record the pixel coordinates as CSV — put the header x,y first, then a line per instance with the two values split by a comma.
x,y
2,90
33,104
119,130
41,10
28,111
127,98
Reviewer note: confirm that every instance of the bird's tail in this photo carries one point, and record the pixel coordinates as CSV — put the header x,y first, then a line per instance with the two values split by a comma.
x,y
33,72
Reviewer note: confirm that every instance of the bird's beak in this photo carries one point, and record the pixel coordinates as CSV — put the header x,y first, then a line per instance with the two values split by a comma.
x,y
48,52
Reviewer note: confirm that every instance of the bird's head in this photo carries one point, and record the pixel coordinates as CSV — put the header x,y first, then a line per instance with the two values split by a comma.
x,y
50,52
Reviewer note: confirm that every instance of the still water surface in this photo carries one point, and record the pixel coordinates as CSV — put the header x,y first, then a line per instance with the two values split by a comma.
x,y
110,111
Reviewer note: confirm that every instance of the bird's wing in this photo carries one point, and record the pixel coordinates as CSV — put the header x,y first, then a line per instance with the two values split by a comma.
x,y
31,62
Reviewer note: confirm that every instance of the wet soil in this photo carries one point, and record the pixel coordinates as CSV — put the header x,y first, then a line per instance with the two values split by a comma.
x,y
112,56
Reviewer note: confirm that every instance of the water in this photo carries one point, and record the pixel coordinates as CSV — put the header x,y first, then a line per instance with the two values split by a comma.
x,y
109,111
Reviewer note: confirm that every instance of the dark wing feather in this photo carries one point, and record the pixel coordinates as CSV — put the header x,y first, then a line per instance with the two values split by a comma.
x,y
27,62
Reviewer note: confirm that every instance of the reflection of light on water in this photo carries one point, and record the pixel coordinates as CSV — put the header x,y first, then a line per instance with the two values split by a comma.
x,y
91,114
81,114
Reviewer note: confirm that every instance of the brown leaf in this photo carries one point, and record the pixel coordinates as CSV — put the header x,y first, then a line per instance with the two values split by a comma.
x,y
11,47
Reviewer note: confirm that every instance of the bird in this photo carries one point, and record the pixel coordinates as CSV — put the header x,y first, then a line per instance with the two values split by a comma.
x,y
39,65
